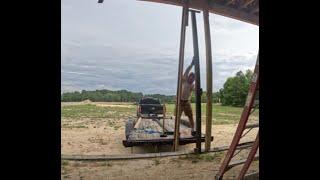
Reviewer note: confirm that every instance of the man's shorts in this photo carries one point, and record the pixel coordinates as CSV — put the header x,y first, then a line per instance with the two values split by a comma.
x,y
186,108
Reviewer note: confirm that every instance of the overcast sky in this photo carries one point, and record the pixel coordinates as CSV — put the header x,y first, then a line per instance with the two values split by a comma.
x,y
134,45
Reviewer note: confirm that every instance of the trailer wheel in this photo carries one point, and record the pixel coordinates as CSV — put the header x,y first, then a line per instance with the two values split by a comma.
x,y
129,127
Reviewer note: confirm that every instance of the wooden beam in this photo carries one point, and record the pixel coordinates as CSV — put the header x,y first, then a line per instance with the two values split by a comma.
x,y
216,8
184,21
137,125
230,2
209,79
241,15
166,126
76,157
255,9
246,3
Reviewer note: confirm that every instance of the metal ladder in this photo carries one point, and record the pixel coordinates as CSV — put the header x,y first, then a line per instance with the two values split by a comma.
x,y
242,126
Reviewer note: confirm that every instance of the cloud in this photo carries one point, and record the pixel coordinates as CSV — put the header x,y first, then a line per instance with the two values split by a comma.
x,y
135,45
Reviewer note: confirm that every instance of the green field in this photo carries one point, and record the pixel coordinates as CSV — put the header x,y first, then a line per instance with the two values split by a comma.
x,y
96,112
221,114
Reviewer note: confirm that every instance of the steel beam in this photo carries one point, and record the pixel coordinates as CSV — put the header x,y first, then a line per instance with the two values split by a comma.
x,y
197,82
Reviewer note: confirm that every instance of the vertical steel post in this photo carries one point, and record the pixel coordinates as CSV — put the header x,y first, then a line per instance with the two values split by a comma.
x,y
197,80
209,78
180,72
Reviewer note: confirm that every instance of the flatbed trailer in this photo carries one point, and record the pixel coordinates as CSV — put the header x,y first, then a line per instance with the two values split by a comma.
x,y
149,131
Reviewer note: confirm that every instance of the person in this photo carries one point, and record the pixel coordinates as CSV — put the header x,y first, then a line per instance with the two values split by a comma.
x,y
188,86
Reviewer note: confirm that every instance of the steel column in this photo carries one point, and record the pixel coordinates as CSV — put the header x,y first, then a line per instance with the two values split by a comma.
x,y
197,79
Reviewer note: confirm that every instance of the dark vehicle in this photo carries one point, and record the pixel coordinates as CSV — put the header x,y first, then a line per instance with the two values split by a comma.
x,y
149,107
153,127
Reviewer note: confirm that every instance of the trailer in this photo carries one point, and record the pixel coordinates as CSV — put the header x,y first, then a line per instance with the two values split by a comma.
x,y
153,127
155,131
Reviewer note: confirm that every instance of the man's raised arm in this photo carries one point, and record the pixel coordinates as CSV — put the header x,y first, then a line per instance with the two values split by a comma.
x,y
186,73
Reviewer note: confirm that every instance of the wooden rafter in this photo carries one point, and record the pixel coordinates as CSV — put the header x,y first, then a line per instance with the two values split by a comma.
x,y
254,10
245,4
233,13
230,2
216,7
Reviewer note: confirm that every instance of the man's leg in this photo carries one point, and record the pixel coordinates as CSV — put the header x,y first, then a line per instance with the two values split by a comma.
x,y
188,112
181,109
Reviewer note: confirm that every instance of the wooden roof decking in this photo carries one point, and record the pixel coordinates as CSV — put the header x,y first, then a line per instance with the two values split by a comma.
x,y
243,10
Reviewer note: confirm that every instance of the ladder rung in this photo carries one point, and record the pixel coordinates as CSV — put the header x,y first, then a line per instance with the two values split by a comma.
x,y
245,145
255,125
239,162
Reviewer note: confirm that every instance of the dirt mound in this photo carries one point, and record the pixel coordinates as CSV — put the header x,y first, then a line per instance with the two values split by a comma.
x,y
87,101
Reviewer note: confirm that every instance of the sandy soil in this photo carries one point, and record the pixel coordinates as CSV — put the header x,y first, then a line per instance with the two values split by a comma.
x,y
177,168
96,137
99,138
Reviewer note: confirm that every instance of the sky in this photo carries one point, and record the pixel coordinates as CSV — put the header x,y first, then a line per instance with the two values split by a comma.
x,y
134,45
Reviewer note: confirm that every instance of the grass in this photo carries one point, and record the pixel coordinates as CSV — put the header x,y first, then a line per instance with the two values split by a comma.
x,y
106,164
65,163
156,162
194,158
208,157
73,126
94,111
64,169
211,156
221,114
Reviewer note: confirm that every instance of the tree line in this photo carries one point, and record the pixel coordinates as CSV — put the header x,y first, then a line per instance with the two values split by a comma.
x,y
121,96
233,93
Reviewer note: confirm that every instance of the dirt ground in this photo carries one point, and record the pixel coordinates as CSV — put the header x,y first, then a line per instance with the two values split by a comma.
x,y
86,136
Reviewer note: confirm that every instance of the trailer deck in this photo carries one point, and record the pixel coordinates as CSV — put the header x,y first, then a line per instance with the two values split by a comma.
x,y
147,131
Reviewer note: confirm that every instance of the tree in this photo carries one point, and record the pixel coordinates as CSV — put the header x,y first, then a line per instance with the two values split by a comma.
x,y
235,89
216,97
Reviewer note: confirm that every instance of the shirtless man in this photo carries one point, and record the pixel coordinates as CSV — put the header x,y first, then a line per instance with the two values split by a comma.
x,y
187,88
